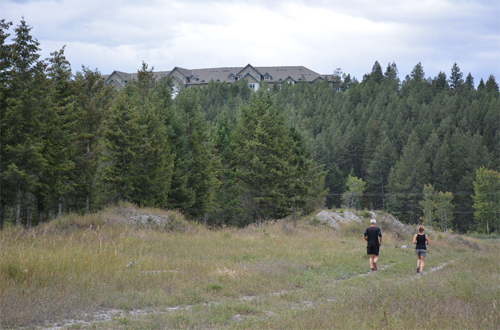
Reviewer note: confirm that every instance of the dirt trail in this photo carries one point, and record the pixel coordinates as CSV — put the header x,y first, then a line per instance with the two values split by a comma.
x,y
105,315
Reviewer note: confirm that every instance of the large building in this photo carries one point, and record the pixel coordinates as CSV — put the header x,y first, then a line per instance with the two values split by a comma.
x,y
200,77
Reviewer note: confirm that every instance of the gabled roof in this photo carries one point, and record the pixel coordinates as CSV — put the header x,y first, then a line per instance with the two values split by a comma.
x,y
248,65
204,76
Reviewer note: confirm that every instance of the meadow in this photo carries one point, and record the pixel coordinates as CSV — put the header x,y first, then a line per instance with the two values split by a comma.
x,y
99,272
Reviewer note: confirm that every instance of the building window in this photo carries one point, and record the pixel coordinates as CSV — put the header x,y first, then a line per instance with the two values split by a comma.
x,y
252,86
239,76
257,77
266,77
231,77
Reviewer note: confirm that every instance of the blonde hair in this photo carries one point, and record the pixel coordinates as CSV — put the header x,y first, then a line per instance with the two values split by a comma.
x,y
421,229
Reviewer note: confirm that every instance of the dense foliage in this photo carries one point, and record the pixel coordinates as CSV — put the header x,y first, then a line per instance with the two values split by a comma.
x,y
227,156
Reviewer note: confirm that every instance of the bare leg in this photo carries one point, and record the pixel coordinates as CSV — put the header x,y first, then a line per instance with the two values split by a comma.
x,y
418,262
371,261
422,263
375,259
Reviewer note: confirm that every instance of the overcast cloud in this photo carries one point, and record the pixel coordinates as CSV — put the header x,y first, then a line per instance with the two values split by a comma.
x,y
321,35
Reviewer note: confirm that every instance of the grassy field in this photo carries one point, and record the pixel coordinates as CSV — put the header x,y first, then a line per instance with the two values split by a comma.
x,y
72,273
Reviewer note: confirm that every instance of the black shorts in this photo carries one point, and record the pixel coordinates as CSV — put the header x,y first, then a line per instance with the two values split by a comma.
x,y
372,250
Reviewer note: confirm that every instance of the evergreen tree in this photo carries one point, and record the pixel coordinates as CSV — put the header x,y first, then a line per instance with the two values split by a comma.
x,y
5,66
138,162
378,170
491,85
481,85
409,175
196,165
22,121
93,102
439,83
60,122
228,208
263,151
456,77
306,179
469,81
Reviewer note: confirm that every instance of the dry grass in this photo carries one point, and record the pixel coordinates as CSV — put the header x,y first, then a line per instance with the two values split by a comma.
x,y
275,276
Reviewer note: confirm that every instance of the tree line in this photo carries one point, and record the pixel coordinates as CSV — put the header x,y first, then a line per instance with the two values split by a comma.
x,y
424,149
72,144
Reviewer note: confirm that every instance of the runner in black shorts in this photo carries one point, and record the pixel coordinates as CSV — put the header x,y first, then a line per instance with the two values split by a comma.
x,y
373,238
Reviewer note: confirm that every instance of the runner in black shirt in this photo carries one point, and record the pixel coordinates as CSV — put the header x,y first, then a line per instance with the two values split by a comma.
x,y
373,237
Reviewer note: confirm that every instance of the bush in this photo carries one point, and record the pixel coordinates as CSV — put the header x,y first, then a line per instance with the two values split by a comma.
x,y
314,221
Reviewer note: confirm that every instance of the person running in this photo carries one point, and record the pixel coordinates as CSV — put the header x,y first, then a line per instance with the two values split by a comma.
x,y
373,238
421,240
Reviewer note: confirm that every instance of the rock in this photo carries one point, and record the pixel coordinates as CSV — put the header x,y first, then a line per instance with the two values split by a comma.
x,y
333,219
327,218
404,246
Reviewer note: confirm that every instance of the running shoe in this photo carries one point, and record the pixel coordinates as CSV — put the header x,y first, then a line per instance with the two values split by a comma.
x,y
418,269
374,266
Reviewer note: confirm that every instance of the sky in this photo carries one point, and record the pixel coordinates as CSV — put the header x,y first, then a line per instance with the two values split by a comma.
x,y
322,35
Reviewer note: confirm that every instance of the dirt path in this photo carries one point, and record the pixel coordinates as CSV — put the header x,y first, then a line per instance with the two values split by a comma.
x,y
106,315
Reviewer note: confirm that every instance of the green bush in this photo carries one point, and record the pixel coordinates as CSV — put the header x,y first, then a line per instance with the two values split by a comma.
x,y
314,221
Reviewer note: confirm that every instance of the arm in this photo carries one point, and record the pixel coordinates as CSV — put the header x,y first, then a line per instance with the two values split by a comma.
x,y
380,241
427,239
415,239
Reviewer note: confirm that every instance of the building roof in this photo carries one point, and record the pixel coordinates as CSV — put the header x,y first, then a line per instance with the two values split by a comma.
x,y
204,76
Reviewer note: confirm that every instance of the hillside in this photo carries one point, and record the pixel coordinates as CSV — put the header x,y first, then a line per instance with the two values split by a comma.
x,y
136,268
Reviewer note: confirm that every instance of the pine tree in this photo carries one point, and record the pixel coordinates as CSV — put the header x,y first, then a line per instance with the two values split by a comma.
x,y
456,78
481,85
5,66
22,120
228,208
196,164
469,81
491,85
138,161
93,102
60,123
306,180
263,150
409,175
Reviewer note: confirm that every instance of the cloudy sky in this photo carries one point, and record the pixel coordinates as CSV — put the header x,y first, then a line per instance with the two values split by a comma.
x,y
320,34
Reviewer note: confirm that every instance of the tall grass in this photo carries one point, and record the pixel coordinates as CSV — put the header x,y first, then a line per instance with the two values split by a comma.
x,y
267,277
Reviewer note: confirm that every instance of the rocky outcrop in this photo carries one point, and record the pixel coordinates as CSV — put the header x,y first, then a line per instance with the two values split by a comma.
x,y
386,222
334,219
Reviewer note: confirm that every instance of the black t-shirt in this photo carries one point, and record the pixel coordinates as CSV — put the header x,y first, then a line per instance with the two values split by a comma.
x,y
373,233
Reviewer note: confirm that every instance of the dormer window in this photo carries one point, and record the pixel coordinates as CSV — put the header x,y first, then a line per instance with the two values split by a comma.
x,y
267,77
231,77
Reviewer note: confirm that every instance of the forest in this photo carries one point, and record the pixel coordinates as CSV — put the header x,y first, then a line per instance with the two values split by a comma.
x,y
426,149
